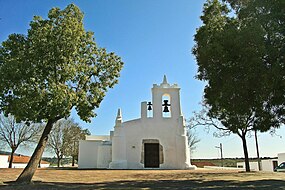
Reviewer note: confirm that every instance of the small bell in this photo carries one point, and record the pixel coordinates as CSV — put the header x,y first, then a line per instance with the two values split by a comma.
x,y
165,109
165,104
149,106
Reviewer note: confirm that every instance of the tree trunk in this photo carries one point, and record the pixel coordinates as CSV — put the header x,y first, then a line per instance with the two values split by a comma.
x,y
246,160
73,160
11,158
39,166
257,150
58,161
29,171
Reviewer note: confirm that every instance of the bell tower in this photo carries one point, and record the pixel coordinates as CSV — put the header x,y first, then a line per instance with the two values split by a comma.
x,y
166,100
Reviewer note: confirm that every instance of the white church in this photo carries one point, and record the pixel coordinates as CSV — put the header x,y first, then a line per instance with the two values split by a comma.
x,y
155,140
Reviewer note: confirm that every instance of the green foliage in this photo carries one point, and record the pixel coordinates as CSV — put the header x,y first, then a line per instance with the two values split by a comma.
x,y
56,67
232,53
241,57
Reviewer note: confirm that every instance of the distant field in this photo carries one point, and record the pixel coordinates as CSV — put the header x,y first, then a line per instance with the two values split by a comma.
x,y
68,178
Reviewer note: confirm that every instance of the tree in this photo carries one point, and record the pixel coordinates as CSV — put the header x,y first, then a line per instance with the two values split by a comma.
x,y
230,52
71,136
55,141
14,134
55,68
193,139
270,17
64,137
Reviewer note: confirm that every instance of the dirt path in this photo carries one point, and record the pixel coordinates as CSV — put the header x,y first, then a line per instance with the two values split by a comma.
x,y
144,179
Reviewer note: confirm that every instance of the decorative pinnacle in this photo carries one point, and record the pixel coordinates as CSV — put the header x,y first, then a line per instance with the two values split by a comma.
x,y
119,119
164,80
119,114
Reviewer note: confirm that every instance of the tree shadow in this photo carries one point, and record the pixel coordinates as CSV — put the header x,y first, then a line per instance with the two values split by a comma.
x,y
154,184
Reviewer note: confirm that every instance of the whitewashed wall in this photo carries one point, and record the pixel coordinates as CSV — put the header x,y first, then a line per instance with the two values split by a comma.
x,y
128,137
94,154
4,161
253,165
267,165
281,158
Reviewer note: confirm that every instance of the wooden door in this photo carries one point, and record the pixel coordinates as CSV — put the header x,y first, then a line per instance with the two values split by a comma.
x,y
151,155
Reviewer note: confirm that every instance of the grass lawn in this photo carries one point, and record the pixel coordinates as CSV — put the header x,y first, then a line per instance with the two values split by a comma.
x,y
68,178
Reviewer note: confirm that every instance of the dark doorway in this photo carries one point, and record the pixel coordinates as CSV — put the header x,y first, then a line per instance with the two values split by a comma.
x,y
151,155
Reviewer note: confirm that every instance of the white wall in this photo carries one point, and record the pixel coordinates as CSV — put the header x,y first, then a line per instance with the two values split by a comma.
x,y
87,157
104,155
4,161
128,137
94,154
167,131
267,165
253,165
23,165
281,158
45,165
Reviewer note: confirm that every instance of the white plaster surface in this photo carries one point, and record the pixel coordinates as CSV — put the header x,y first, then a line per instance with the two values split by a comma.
x,y
127,139
267,165
4,161
281,158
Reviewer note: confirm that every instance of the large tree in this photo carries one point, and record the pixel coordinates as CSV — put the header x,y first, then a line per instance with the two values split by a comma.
x,y
269,16
55,68
13,134
231,52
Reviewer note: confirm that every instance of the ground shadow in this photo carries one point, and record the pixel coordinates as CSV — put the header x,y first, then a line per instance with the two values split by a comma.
x,y
155,184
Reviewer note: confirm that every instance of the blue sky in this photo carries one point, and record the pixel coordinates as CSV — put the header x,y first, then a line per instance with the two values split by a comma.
x,y
153,37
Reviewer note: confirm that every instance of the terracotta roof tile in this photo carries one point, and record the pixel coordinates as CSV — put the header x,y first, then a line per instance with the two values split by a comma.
x,y
23,159
202,164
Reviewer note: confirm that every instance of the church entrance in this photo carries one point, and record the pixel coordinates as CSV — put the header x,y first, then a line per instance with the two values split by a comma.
x,y
151,155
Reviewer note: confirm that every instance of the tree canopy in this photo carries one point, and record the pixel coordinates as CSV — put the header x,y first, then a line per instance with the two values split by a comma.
x,y
240,65
53,69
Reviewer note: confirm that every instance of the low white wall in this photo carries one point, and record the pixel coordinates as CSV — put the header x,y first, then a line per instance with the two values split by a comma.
x,y
4,161
87,157
223,168
253,166
45,165
281,158
94,154
267,165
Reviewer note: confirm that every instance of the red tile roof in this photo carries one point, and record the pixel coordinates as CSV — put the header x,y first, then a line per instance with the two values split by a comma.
x,y
202,164
23,159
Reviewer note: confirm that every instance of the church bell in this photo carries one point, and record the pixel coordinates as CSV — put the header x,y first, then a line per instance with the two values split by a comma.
x,y
149,104
165,104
